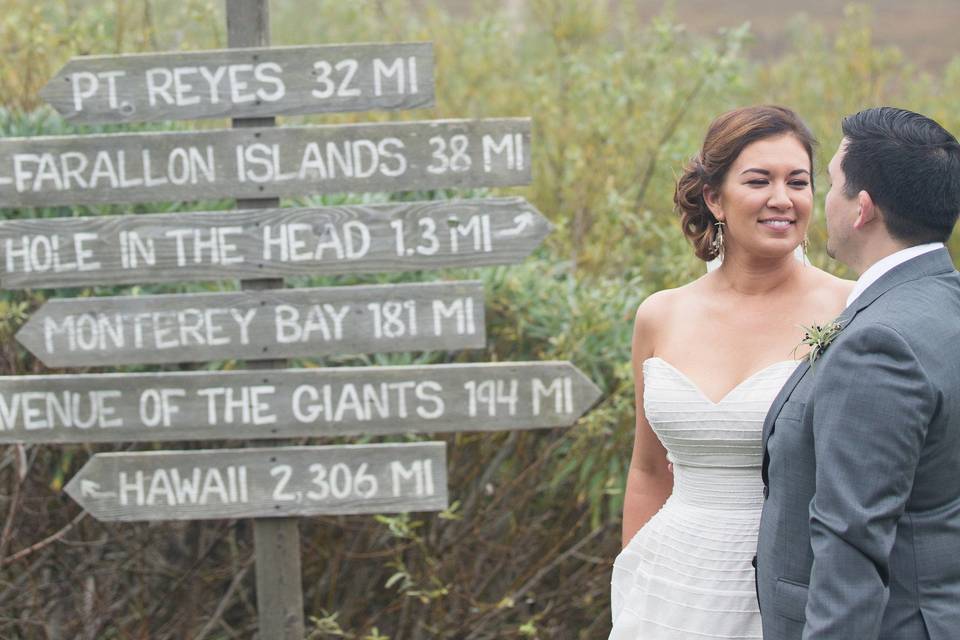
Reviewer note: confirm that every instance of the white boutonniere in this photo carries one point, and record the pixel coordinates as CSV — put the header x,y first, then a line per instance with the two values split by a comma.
x,y
818,338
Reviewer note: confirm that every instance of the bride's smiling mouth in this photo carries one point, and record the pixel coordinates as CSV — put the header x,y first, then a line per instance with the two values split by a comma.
x,y
778,223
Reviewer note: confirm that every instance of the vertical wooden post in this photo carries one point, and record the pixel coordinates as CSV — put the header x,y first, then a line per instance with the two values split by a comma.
x,y
276,540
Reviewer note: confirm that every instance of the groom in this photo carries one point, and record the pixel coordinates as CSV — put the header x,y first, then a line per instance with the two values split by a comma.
x,y
860,534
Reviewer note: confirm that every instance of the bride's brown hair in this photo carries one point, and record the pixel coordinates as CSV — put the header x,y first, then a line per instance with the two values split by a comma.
x,y
725,139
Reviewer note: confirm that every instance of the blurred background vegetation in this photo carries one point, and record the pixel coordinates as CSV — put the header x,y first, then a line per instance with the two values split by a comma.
x,y
620,94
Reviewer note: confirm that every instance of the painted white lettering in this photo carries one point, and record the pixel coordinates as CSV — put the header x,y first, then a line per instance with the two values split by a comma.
x,y
83,85
243,320
213,81
492,147
401,474
238,86
541,391
429,391
111,78
83,255
303,414
213,486
160,489
125,487
159,83
182,87
186,488
72,165
382,71
103,169
227,250
392,149
21,173
267,72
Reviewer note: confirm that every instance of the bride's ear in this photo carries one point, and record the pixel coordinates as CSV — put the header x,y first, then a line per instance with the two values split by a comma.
x,y
711,197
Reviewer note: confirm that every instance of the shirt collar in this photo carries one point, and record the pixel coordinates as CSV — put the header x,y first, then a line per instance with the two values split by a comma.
x,y
882,266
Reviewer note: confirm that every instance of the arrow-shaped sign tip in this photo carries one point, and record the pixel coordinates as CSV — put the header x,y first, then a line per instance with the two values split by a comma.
x,y
71,488
537,216
46,92
30,337
593,394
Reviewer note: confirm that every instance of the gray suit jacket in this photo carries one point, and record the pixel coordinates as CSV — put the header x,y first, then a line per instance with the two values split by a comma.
x,y
860,533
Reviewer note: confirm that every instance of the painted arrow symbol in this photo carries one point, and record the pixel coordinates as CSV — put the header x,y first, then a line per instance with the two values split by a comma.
x,y
91,489
522,221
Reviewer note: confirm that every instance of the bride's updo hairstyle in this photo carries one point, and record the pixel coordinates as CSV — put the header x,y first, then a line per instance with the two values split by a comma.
x,y
726,138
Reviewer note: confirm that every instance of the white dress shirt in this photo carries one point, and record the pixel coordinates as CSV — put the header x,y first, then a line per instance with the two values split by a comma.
x,y
880,267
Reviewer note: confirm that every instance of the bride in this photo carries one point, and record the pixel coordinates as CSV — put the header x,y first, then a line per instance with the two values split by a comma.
x,y
708,360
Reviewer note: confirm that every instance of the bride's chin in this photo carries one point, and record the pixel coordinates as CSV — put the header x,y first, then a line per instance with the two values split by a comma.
x,y
773,253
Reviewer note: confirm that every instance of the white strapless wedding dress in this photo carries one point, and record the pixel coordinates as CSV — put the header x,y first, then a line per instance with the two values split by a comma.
x,y
687,573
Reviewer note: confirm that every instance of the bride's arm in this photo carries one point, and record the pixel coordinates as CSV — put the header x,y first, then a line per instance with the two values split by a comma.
x,y
649,481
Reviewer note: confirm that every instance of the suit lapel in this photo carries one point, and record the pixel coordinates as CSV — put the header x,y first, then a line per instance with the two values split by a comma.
x,y
843,319
928,264
782,398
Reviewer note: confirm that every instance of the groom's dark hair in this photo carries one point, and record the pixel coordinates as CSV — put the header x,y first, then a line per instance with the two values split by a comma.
x,y
910,166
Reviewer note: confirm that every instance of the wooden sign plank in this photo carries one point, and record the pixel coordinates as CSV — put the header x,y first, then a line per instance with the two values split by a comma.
x,y
263,483
55,252
263,162
243,83
202,405
257,325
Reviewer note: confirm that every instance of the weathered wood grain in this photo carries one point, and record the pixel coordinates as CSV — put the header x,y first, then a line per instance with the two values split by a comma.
x,y
280,612
280,323
54,252
323,402
263,482
243,82
263,161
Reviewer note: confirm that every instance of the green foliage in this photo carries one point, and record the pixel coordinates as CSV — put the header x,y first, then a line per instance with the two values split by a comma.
x,y
39,37
525,549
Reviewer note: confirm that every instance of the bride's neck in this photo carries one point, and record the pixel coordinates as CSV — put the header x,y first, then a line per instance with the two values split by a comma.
x,y
752,276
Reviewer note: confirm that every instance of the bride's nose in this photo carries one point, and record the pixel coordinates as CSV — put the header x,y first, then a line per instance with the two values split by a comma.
x,y
779,199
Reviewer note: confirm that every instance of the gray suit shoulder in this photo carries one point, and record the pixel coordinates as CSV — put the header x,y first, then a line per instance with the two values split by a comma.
x,y
913,307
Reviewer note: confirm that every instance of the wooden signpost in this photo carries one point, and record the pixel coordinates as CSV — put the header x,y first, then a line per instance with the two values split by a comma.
x,y
261,162
263,483
256,325
204,405
128,249
243,82
263,324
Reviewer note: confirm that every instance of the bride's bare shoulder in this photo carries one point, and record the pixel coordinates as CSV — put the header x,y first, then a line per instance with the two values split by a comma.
x,y
659,307
832,291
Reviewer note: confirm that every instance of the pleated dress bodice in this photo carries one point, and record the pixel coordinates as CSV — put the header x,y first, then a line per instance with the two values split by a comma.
x,y
687,573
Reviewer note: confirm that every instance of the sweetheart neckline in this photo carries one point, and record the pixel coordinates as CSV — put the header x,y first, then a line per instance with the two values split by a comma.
x,y
703,395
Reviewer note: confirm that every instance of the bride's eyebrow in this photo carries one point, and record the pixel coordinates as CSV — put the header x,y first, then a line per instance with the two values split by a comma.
x,y
767,173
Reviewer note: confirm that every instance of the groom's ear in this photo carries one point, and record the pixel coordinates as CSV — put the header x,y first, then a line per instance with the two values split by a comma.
x,y
867,210
711,197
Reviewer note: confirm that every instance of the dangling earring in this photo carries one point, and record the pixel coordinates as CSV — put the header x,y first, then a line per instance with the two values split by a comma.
x,y
805,245
717,244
